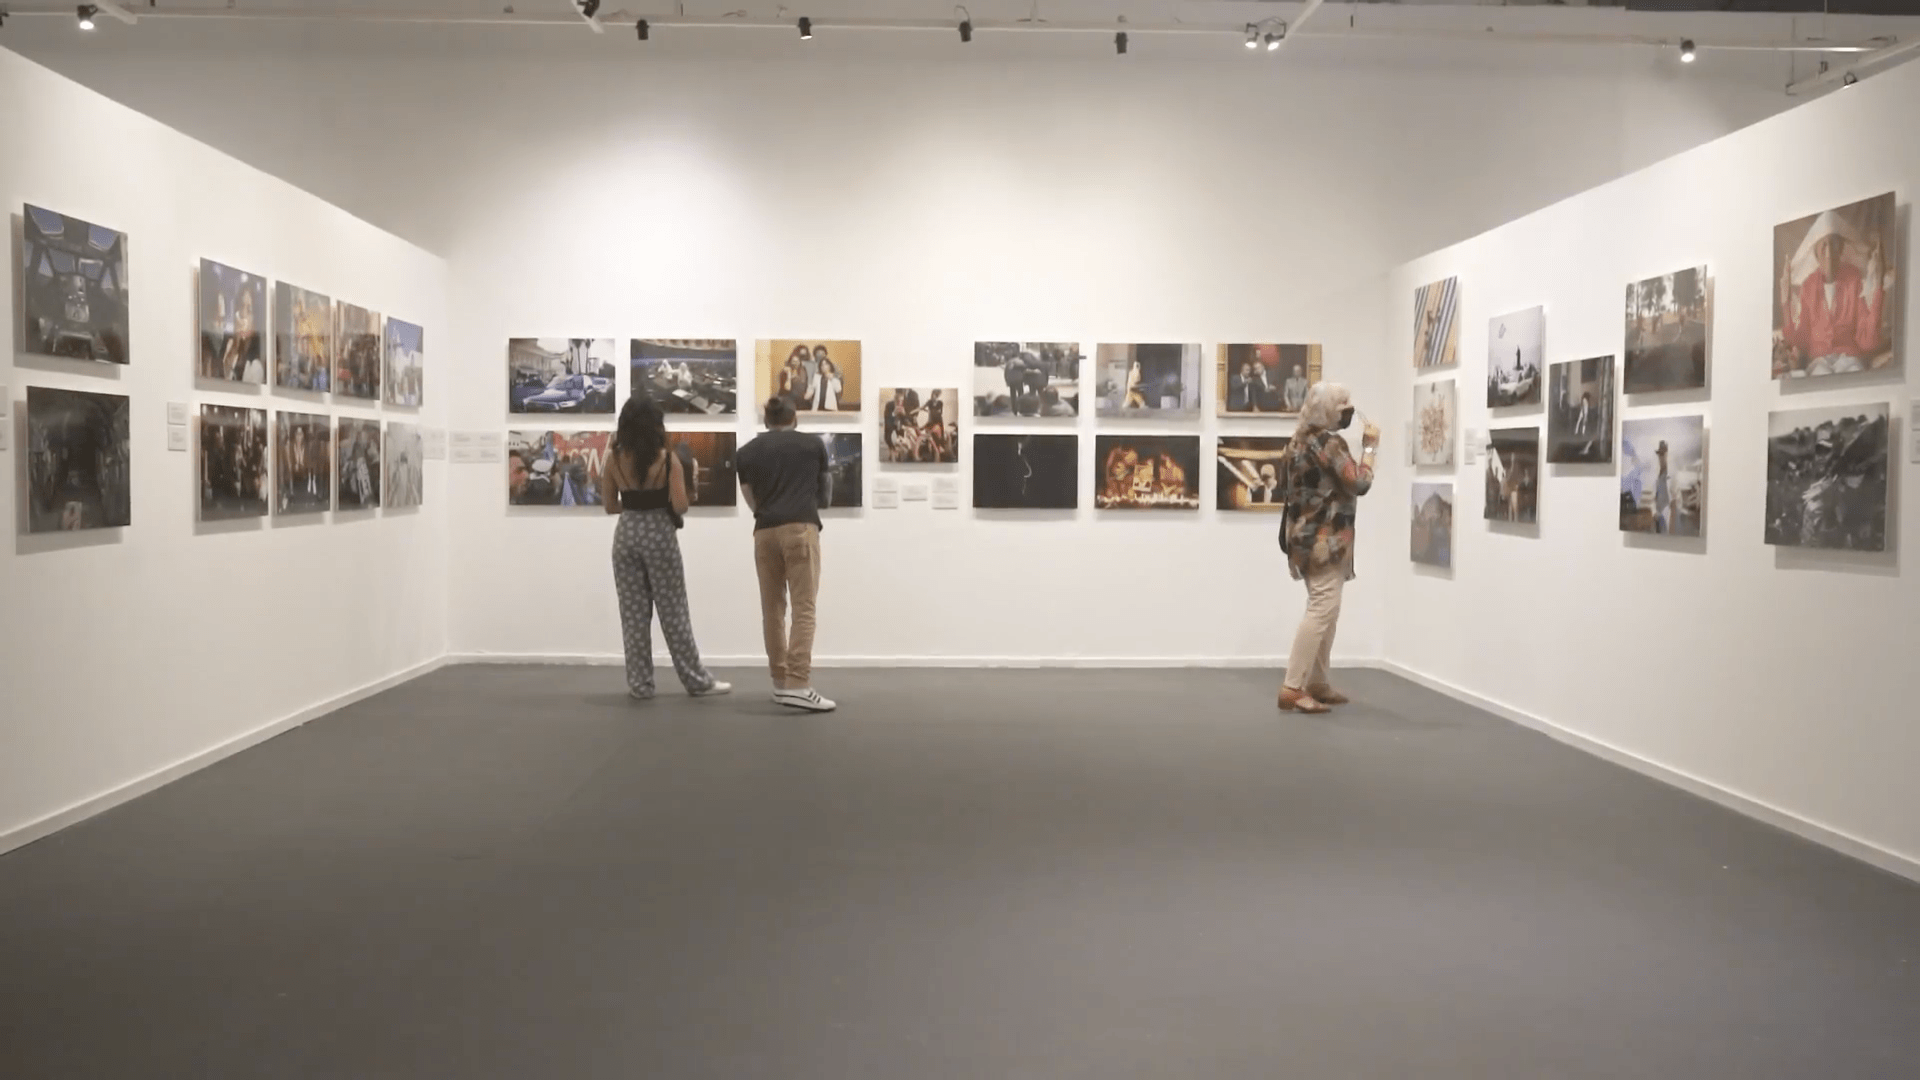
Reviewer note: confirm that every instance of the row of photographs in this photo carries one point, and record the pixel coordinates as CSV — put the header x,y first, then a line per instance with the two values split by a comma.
x,y
76,306
1834,276
1023,380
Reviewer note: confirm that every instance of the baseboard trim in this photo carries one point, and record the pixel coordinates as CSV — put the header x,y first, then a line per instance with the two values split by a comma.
x,y
41,828
756,660
1847,844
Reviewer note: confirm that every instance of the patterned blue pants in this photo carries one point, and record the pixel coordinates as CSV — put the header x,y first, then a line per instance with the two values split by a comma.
x,y
648,574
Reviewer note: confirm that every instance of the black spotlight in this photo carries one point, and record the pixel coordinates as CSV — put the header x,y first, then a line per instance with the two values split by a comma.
x,y
642,30
966,31
1849,79
806,28
86,12
589,8
1120,43
1686,51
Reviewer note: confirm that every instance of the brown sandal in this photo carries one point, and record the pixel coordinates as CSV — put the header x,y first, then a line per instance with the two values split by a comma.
x,y
1327,695
1292,700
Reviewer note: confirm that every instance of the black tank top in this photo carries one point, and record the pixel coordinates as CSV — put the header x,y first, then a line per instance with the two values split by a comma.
x,y
659,498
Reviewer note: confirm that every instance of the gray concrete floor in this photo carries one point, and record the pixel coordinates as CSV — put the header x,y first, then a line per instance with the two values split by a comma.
x,y
515,873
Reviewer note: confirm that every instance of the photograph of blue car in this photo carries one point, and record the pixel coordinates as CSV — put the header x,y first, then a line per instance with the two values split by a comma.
x,y
560,375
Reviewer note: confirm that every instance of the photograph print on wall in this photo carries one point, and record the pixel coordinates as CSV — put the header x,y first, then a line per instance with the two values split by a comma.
x,y
356,346
707,457
1516,345
1027,380
556,468
560,375
1668,319
1149,382
1146,472
844,464
1433,524
1264,380
1827,477
919,426
1513,475
233,318
1026,472
233,462
1835,303
687,376
357,448
1434,410
74,287
817,376
1436,325
405,462
302,463
1663,475
302,339
406,372
78,462
1580,411
1247,474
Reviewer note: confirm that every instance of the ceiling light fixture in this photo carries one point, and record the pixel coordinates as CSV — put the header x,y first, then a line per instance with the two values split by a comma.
x,y
86,13
1120,43
1274,40
1253,36
1686,51
806,28
589,8
642,30
1849,79
966,31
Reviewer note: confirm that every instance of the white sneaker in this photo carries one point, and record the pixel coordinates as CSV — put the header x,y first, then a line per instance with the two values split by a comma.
x,y
715,690
805,698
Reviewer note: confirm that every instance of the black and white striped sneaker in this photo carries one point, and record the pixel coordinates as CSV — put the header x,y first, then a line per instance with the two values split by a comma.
x,y
807,698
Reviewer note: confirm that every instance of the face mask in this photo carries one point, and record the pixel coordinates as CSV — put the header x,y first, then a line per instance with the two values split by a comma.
x,y
1346,418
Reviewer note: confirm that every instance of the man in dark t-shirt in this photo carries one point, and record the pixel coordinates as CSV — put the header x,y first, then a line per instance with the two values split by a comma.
x,y
786,477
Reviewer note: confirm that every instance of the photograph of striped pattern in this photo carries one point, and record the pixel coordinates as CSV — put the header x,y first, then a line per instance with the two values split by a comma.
x,y
1436,328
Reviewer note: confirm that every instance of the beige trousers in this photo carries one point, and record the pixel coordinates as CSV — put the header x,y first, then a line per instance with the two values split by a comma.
x,y
1313,642
788,558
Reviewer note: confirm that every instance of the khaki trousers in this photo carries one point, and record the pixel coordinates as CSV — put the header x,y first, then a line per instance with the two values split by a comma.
x,y
788,558
1313,642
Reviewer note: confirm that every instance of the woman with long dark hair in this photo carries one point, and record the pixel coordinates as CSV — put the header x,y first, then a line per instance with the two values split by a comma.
x,y
645,483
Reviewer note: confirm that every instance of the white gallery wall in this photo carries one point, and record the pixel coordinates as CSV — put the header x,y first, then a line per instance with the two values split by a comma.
x,y
127,652
1784,676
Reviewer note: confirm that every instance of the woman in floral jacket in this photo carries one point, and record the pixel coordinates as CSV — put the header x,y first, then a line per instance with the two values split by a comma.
x,y
1323,486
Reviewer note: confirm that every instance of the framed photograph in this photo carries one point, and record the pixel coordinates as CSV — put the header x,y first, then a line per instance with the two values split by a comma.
x,y
233,462
1147,472
708,456
574,376
700,377
1663,475
302,463
1513,475
817,376
1516,345
1264,380
356,340
1026,380
78,461
1835,307
1827,477
1434,422
1026,472
844,452
556,468
406,372
74,286
1433,524
1149,382
405,458
357,450
1580,411
1668,318
1436,325
1248,473
302,339
233,319
919,426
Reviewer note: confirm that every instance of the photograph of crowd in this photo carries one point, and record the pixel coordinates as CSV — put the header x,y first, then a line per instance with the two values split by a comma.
x,y
406,363
356,345
708,460
1580,411
1433,422
1158,382
1513,475
1026,472
406,466
817,376
560,375
302,463
843,451
1667,322
302,338
919,426
233,319
1436,326
233,462
74,286
556,468
1267,380
1515,346
78,468
1827,477
1249,473
1835,307
1433,524
1663,475
357,446
1031,380
1146,472
698,377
